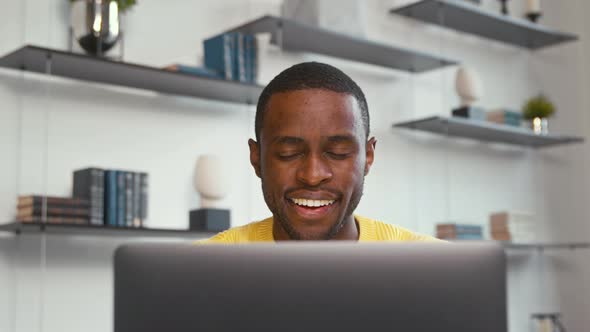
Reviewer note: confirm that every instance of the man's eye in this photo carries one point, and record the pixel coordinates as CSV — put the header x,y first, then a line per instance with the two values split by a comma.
x,y
288,156
338,155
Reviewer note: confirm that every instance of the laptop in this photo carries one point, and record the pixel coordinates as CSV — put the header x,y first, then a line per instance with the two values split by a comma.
x,y
311,287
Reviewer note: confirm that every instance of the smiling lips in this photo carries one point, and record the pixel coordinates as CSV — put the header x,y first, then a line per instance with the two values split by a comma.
x,y
311,202
312,208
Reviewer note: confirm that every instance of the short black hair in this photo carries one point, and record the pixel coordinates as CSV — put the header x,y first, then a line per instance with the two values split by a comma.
x,y
311,75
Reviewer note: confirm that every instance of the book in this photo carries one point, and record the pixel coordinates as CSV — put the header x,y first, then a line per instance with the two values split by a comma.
x,y
143,198
121,200
53,220
136,200
251,57
51,201
219,55
89,184
39,211
110,197
459,228
506,117
239,57
128,199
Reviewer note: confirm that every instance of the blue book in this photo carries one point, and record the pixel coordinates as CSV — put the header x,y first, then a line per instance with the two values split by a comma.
x,y
249,54
254,59
110,198
219,55
239,57
469,237
468,228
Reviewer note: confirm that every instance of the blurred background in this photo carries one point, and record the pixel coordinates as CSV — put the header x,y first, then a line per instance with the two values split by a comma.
x,y
480,110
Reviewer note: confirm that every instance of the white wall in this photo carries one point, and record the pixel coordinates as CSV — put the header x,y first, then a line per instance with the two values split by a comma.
x,y
51,126
565,171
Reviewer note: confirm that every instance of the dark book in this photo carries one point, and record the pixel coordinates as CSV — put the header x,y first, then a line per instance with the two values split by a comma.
x,y
51,201
39,211
143,198
110,197
89,184
128,199
39,206
136,200
53,220
121,198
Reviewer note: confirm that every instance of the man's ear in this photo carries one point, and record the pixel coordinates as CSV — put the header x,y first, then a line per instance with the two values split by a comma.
x,y
254,156
370,154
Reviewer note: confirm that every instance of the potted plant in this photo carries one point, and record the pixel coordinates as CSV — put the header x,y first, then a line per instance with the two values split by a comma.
x,y
96,25
537,110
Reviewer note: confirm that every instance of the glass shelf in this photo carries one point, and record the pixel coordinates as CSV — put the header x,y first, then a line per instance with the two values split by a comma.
x,y
462,16
486,131
91,230
100,70
295,36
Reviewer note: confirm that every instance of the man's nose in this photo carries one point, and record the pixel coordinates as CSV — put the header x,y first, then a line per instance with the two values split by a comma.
x,y
314,170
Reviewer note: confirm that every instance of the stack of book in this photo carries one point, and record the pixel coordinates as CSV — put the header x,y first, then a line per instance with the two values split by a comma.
x,y
512,227
459,232
117,198
505,117
55,210
233,56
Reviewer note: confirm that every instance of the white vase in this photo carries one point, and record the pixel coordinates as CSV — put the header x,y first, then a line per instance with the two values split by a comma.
x,y
468,85
211,180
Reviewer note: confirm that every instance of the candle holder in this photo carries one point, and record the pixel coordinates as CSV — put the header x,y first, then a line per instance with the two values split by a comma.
x,y
534,16
504,8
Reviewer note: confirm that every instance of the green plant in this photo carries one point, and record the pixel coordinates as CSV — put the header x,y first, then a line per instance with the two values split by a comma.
x,y
123,4
538,107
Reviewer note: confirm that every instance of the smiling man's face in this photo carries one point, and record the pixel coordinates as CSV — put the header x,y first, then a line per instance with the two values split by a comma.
x,y
312,158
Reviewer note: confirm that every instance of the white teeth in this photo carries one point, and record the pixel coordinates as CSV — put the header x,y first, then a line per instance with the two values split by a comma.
x,y
311,202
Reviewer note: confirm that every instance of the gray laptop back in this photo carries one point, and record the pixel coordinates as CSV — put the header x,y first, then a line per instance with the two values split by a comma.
x,y
413,287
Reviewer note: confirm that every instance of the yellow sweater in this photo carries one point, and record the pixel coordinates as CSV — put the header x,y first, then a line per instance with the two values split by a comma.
x,y
369,230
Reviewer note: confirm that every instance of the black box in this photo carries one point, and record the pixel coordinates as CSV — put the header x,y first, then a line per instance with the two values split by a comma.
x,y
470,112
209,220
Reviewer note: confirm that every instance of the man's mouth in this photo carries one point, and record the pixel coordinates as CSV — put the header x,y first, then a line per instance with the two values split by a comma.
x,y
312,202
312,208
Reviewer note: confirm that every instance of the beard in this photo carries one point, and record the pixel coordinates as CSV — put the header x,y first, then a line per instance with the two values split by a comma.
x,y
278,210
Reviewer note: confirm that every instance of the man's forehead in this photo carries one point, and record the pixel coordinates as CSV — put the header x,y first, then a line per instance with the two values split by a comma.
x,y
293,140
312,107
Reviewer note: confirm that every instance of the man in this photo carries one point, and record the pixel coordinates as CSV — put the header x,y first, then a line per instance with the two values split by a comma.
x,y
312,152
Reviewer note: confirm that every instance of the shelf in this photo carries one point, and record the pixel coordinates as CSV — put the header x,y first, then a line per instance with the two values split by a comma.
x,y
469,18
486,131
295,36
100,70
90,230
545,246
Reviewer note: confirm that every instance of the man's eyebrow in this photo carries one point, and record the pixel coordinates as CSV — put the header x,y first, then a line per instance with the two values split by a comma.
x,y
287,140
341,138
